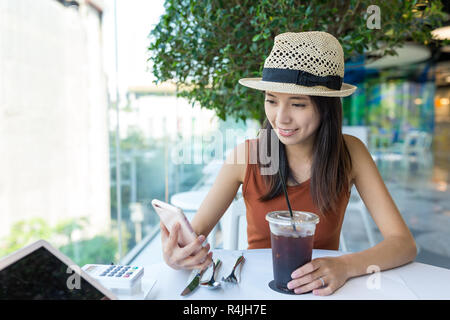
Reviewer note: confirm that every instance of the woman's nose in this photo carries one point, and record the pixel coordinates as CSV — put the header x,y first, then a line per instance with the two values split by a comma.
x,y
284,114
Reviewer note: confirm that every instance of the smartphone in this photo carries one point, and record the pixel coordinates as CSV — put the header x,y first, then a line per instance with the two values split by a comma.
x,y
169,215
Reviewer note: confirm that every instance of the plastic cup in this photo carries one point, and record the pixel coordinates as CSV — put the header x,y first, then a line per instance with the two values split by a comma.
x,y
291,248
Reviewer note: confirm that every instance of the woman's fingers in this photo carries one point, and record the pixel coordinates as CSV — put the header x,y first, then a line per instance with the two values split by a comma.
x,y
307,268
205,264
191,256
173,236
198,258
170,244
307,278
194,246
315,284
325,291
323,276
187,257
164,232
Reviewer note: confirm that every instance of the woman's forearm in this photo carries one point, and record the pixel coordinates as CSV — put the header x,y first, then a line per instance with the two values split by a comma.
x,y
389,253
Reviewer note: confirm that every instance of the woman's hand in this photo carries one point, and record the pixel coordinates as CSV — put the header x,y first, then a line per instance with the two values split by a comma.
x,y
332,270
191,256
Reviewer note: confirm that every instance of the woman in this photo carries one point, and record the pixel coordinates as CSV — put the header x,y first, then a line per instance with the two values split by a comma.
x,y
302,84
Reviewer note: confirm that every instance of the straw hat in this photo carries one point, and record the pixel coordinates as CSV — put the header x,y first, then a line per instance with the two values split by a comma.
x,y
309,63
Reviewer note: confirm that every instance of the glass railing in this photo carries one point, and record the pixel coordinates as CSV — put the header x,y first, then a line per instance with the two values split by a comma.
x,y
165,144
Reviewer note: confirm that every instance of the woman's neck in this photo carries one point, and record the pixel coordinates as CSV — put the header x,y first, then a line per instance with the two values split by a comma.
x,y
300,161
299,154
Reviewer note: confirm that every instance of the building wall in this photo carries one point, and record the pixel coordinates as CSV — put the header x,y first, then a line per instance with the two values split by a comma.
x,y
53,114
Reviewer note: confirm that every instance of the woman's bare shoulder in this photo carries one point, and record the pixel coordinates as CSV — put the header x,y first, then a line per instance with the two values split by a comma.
x,y
351,141
358,152
239,156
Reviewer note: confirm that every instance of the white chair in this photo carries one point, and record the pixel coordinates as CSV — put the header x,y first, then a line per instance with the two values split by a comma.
x,y
355,202
414,148
234,226
416,142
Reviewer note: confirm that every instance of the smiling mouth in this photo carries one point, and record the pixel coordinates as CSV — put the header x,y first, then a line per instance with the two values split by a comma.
x,y
287,132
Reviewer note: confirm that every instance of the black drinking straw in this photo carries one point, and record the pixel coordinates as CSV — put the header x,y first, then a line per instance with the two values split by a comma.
x,y
287,199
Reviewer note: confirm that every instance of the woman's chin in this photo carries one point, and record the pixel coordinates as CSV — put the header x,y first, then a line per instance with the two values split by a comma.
x,y
288,140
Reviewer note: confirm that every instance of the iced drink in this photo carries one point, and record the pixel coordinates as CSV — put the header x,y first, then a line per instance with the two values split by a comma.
x,y
291,247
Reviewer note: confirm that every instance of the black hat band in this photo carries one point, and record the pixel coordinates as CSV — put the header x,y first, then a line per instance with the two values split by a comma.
x,y
300,77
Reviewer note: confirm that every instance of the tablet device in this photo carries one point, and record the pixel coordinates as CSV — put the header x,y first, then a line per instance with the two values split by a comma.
x,y
41,272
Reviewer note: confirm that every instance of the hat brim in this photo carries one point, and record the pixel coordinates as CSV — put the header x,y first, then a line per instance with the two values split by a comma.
x,y
259,84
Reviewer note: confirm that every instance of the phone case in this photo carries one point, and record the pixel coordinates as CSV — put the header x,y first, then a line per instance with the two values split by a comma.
x,y
169,215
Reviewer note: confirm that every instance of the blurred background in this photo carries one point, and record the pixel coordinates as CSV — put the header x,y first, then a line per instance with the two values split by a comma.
x,y
88,139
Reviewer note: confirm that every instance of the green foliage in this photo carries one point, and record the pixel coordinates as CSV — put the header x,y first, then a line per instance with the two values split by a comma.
x,y
99,249
205,47
66,227
23,233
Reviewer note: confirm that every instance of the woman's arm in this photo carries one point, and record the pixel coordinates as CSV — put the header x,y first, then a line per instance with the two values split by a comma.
x,y
193,255
222,192
397,248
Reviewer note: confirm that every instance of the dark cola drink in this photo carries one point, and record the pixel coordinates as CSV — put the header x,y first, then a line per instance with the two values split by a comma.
x,y
292,239
288,254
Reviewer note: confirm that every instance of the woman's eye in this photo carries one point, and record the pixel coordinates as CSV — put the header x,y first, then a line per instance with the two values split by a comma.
x,y
294,104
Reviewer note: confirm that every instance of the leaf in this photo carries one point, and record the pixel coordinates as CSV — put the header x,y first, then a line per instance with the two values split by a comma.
x,y
256,37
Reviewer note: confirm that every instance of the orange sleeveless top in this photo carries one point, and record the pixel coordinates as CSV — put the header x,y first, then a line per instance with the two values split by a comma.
x,y
258,233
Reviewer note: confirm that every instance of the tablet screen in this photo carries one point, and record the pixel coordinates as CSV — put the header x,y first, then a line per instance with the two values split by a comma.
x,y
41,275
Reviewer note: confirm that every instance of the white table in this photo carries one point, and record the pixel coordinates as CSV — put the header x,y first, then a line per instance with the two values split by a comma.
x,y
412,281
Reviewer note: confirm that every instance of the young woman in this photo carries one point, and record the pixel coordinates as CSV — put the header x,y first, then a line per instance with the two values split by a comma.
x,y
302,84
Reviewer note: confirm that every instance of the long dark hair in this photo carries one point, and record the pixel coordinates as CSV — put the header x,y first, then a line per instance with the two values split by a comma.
x,y
331,163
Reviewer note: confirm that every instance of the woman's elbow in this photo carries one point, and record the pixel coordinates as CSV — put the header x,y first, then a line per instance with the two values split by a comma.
x,y
410,248
413,249
407,246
